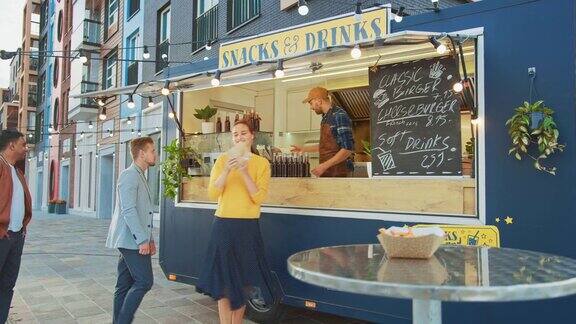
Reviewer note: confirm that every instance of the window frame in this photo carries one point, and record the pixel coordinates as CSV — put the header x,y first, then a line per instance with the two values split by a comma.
x,y
161,38
110,64
111,15
199,11
129,8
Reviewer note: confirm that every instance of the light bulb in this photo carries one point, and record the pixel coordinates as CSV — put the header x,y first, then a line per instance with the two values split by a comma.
x,y
398,18
50,129
171,115
166,88
150,102
129,121
83,59
208,46
90,126
100,102
131,103
356,53
303,9
279,73
475,121
165,92
441,49
458,87
146,54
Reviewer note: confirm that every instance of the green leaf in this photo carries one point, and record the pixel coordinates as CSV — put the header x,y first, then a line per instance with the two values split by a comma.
x,y
518,156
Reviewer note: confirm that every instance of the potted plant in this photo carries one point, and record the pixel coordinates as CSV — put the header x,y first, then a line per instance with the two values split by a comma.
x,y
367,149
60,206
468,160
205,114
180,162
525,133
52,206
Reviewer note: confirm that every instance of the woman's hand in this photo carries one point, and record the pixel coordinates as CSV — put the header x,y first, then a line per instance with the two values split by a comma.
x,y
231,164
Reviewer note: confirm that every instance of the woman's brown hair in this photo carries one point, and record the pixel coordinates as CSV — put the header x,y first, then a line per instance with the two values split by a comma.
x,y
251,130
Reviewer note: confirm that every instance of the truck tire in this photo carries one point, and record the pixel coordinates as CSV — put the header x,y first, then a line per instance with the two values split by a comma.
x,y
259,312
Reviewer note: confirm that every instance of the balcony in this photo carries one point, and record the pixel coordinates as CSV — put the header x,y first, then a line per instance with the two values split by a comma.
x,y
32,99
82,108
132,77
242,11
205,28
92,32
34,63
160,50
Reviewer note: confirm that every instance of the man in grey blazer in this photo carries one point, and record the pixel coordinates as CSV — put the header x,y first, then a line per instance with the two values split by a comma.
x,y
131,232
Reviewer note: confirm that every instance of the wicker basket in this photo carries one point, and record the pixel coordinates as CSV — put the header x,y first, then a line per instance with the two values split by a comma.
x,y
420,247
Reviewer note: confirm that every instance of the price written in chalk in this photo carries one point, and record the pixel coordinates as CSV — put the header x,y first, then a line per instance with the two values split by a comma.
x,y
416,129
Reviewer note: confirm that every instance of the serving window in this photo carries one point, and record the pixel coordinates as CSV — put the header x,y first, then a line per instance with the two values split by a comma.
x,y
420,132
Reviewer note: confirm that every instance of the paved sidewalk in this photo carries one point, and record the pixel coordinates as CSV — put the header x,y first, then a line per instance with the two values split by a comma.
x,y
68,276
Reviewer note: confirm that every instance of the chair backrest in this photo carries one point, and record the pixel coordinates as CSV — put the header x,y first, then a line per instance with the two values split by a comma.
x,y
486,235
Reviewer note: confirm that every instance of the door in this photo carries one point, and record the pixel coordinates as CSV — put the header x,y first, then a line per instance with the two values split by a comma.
x,y
39,188
64,177
106,191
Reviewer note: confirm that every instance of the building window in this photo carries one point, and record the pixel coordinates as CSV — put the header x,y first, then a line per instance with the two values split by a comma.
x,y
132,67
79,175
129,159
203,6
163,47
205,27
55,114
111,16
241,11
56,71
59,26
133,7
90,159
110,70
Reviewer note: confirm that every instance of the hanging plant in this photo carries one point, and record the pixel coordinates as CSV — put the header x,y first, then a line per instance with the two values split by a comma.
x,y
525,129
174,167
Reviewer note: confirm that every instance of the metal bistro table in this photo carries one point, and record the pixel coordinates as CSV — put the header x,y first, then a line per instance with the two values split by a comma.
x,y
454,273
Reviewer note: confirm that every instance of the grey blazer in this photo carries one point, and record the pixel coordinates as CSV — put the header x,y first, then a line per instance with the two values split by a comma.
x,y
131,223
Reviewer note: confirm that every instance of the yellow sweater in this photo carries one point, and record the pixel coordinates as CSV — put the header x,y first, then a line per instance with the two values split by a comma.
x,y
234,200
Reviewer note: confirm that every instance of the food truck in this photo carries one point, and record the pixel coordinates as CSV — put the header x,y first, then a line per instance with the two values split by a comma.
x,y
429,99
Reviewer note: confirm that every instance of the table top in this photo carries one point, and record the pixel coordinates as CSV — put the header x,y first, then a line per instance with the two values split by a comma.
x,y
454,273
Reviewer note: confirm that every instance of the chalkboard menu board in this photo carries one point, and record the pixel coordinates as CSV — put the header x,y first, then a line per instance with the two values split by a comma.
x,y
415,118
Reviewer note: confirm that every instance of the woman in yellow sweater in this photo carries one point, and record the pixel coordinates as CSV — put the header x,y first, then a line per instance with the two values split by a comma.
x,y
235,267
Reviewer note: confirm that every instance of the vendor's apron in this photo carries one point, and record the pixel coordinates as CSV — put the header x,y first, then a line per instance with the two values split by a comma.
x,y
328,148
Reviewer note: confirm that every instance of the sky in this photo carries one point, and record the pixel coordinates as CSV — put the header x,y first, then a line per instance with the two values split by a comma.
x,y
11,27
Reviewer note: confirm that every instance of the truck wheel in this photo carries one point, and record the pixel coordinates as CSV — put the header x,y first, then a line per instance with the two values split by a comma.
x,y
258,311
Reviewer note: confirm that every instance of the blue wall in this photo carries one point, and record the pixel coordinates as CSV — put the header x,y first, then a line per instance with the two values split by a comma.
x,y
518,34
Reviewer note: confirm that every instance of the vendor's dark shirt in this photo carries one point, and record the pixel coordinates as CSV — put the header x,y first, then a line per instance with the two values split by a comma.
x,y
341,127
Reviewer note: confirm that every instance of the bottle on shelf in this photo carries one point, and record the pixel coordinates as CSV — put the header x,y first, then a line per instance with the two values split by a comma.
x,y
218,125
306,165
227,124
236,118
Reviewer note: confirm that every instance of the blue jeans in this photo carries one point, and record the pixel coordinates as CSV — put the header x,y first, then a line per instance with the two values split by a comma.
x,y
10,257
135,279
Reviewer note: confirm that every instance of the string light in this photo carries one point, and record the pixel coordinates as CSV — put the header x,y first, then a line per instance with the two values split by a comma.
x,y
458,87
303,7
150,102
90,125
101,102
81,134
30,135
83,57
145,53
398,17
50,129
129,121
216,79
131,103
139,133
208,45
279,73
358,12
356,52
165,89
132,131
157,129
440,48
50,136
171,115
102,115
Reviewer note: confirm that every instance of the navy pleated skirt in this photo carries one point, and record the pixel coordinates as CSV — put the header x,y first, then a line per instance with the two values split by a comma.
x,y
235,266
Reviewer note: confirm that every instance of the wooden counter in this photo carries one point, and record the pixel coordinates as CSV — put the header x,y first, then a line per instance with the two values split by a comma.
x,y
442,196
